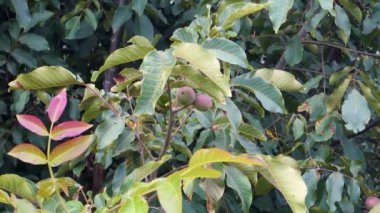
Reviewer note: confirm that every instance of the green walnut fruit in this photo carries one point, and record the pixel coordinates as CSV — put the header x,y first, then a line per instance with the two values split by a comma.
x,y
371,202
186,96
203,102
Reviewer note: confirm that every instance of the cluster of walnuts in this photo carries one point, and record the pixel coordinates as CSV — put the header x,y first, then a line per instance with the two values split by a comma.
x,y
186,96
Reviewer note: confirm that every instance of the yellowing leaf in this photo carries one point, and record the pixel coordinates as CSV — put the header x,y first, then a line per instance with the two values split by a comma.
x,y
70,149
4,197
135,204
283,80
170,194
333,101
28,153
19,186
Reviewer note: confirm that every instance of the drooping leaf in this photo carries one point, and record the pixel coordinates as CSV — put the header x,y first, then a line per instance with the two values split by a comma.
x,y
251,132
371,99
139,6
298,127
46,187
336,76
170,194
122,14
22,205
343,22
334,100
214,189
311,178
34,41
121,56
143,26
198,81
28,153
269,96
328,5
24,57
278,10
43,78
70,149
109,130
22,12
19,186
72,27
334,187
353,9
156,68
233,114
240,183
4,197
355,111
283,80
294,51
205,61
135,204
199,172
282,173
227,50
90,18
185,35
33,124
353,190
69,129
237,10
57,105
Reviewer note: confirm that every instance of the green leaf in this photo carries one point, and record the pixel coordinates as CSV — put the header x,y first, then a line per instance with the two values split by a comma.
x,y
125,78
278,10
373,102
336,76
185,35
24,57
282,173
28,153
5,43
353,9
298,127
311,178
294,51
143,27
353,190
343,22
19,186
122,14
90,18
139,6
72,27
214,188
70,150
108,131
334,188
269,96
333,101
44,78
240,183
328,5
34,41
251,132
233,114
237,10
199,172
46,187
22,205
205,61
197,80
156,68
355,111
170,194
227,51
122,56
135,204
283,80
22,12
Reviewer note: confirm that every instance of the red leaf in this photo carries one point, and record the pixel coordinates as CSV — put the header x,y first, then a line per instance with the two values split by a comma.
x,y
70,149
69,129
57,106
33,124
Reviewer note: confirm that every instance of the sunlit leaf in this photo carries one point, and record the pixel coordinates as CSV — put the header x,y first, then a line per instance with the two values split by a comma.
x,y
170,194
70,149
278,11
19,186
28,153
46,187
57,105
4,197
69,129
135,204
22,205
251,132
355,111
283,80
33,123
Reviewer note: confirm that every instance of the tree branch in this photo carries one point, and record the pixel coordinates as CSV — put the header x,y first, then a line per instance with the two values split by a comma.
x,y
170,126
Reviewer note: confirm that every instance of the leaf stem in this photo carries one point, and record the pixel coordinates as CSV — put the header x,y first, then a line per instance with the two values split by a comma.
x,y
48,152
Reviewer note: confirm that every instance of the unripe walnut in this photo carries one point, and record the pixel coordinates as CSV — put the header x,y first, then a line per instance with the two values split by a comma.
x,y
186,96
371,202
203,102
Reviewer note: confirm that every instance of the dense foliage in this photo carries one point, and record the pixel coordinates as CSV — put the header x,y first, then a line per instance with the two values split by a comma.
x,y
189,106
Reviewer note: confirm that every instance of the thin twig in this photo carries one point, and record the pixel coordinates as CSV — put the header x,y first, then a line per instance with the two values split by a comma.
x,y
183,121
340,47
112,108
170,126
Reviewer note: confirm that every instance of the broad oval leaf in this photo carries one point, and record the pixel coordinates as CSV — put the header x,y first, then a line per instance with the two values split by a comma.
x,y
170,194
46,187
205,61
33,123
355,111
227,50
334,188
19,186
156,68
269,96
43,78
109,130
121,56
34,41
294,51
283,80
237,10
28,153
69,129
343,22
278,10
281,172
70,149
135,204
240,183
333,101
57,105
22,205
372,101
